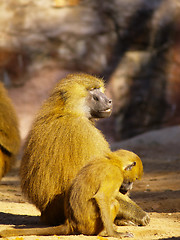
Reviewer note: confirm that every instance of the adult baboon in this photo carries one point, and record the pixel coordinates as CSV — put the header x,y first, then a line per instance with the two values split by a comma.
x,y
62,140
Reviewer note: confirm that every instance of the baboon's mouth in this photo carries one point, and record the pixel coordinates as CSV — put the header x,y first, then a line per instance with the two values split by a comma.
x,y
107,110
123,191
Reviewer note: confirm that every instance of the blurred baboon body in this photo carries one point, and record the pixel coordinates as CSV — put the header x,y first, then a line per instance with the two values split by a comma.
x,y
9,133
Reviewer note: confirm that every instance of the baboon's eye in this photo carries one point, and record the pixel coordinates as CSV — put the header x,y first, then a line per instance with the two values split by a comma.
x,y
95,98
91,89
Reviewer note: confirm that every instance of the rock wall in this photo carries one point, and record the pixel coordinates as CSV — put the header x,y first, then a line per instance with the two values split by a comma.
x,y
133,44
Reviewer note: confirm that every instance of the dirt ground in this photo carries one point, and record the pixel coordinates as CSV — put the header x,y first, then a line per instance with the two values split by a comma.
x,y
158,192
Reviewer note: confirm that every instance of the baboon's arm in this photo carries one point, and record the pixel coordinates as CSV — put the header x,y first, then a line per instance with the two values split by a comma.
x,y
131,211
104,198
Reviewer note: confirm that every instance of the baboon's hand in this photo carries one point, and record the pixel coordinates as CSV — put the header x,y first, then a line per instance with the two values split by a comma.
x,y
120,235
145,220
124,222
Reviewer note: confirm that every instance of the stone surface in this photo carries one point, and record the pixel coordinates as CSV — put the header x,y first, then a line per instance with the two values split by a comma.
x,y
133,45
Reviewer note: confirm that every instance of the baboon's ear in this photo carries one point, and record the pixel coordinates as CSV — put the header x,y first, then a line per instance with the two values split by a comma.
x,y
63,95
129,167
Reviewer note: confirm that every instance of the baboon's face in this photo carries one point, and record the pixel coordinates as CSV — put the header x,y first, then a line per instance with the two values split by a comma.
x,y
126,187
100,106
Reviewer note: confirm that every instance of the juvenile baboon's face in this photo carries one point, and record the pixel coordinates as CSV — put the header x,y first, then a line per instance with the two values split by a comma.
x,y
126,187
99,104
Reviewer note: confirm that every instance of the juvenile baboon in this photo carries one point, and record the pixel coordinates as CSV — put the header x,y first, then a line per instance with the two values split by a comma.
x,y
93,201
62,140
9,133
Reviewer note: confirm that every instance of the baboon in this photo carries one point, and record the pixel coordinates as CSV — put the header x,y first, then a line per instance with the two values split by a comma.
x,y
62,140
93,201
9,133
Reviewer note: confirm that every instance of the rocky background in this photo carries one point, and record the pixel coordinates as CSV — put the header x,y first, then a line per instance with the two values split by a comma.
x,y
133,44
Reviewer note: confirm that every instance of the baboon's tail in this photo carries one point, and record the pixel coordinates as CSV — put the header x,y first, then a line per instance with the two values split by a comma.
x,y
64,229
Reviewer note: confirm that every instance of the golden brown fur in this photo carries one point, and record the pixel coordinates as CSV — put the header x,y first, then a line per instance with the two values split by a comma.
x,y
62,140
93,200
9,133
